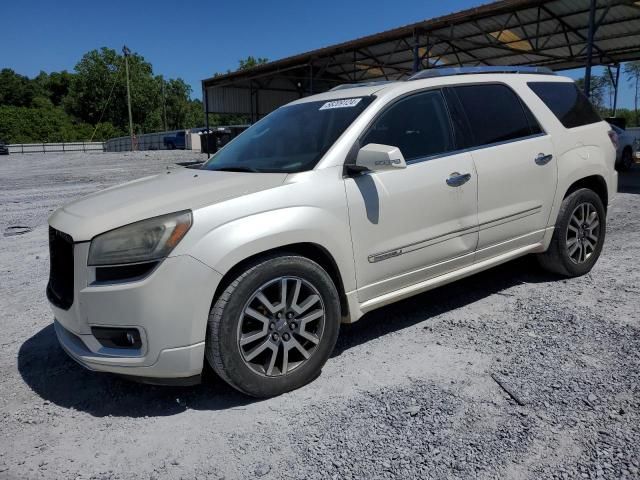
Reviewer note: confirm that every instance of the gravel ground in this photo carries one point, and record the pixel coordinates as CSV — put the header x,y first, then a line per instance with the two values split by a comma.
x,y
412,390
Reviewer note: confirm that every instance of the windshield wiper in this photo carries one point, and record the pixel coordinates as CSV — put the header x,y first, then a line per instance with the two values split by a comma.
x,y
235,169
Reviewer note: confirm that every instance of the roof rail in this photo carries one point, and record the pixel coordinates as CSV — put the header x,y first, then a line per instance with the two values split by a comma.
x,y
449,71
345,86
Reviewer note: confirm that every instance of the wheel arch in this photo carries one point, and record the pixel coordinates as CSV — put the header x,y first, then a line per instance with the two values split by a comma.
x,y
309,250
593,182
587,178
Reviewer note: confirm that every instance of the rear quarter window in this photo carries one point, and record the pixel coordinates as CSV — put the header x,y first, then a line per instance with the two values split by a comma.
x,y
567,103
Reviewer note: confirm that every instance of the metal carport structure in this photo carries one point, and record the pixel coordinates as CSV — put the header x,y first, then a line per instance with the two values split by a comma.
x,y
559,34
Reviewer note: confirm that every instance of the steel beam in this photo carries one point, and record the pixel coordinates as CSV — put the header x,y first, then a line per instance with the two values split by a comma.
x,y
205,97
615,81
592,28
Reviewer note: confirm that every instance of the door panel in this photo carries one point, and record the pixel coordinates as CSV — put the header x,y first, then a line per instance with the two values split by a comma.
x,y
410,225
517,172
515,193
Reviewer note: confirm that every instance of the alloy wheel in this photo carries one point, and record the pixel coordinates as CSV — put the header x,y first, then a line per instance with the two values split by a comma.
x,y
583,233
281,326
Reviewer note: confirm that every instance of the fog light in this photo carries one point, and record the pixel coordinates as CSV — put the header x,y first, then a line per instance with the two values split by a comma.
x,y
110,337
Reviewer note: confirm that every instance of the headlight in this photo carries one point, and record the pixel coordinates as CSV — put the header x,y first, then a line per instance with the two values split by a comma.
x,y
143,241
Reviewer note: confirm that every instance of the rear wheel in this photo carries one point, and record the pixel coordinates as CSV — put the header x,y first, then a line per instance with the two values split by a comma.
x,y
626,160
578,236
274,326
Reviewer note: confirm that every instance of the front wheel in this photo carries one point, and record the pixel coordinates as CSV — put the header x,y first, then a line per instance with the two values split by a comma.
x,y
578,236
274,326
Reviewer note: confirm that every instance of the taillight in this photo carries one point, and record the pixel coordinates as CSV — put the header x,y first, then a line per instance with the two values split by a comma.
x,y
613,136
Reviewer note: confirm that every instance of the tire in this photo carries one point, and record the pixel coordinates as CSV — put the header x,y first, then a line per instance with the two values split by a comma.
x,y
229,326
562,256
626,160
170,146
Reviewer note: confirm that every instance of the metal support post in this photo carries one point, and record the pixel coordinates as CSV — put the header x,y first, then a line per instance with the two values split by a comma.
x,y
592,27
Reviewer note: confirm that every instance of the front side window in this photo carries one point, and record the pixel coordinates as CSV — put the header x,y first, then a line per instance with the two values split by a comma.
x,y
495,114
291,139
566,102
418,125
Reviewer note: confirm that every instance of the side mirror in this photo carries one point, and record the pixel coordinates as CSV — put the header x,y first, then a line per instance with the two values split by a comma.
x,y
376,157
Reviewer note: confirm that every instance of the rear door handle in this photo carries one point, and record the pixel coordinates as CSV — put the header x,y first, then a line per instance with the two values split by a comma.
x,y
456,179
543,159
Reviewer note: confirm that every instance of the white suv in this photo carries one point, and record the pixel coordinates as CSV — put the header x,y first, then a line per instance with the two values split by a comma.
x,y
331,206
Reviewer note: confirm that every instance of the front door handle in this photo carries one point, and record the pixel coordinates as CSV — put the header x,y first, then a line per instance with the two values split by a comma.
x,y
456,179
543,159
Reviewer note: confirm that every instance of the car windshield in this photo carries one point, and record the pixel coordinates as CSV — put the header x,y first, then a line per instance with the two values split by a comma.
x,y
291,139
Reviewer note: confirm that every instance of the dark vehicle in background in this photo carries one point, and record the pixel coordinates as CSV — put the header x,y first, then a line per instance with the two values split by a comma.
x,y
171,142
4,149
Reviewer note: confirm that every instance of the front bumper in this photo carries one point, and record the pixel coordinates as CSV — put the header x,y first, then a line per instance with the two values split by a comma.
x,y
181,362
169,308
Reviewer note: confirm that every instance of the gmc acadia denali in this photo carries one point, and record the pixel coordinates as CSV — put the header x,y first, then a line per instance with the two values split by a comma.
x,y
329,207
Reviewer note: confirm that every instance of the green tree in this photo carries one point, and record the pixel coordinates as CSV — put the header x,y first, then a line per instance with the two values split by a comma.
x,y
195,114
251,62
15,89
104,131
100,85
54,86
90,103
177,94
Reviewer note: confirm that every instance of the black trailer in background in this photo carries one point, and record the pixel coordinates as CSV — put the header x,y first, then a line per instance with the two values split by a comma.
x,y
213,139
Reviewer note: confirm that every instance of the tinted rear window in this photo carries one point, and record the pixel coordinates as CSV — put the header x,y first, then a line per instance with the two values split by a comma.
x,y
495,114
566,102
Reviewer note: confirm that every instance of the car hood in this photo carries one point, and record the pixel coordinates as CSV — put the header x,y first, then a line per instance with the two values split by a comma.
x,y
175,190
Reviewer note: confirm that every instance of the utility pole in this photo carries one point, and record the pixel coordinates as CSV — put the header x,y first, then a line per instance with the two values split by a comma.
x,y
126,52
164,104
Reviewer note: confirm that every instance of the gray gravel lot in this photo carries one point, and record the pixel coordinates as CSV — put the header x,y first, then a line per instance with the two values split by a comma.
x,y
411,391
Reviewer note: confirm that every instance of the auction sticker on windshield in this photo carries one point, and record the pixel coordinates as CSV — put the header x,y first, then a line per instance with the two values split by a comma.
x,y
344,103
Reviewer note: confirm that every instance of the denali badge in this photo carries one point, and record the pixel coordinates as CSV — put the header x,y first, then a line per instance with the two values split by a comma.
x,y
383,256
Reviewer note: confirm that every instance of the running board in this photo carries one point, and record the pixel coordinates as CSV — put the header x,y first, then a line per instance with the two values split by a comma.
x,y
440,280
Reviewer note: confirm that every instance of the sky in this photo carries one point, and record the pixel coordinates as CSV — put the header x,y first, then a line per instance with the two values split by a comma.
x,y
193,40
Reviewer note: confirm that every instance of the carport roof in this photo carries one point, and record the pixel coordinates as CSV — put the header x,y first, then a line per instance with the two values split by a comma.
x,y
550,33
510,32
